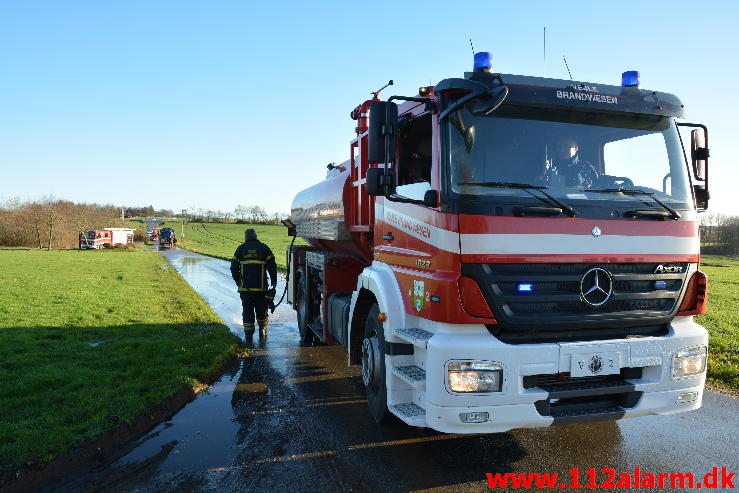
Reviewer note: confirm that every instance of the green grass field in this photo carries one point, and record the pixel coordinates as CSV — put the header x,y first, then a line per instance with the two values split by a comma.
x,y
220,240
722,319
90,338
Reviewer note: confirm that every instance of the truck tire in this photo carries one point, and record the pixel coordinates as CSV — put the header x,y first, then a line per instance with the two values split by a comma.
x,y
373,365
301,307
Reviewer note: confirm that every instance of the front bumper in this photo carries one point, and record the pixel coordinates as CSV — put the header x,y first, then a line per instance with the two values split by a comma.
x,y
506,417
648,391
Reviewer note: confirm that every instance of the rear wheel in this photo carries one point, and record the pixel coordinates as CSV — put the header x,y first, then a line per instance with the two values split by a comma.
x,y
301,301
373,365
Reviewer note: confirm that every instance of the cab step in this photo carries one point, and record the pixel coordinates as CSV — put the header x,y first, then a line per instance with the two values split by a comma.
x,y
412,375
417,337
410,413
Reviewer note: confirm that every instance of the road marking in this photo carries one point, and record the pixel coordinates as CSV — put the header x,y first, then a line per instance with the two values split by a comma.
x,y
317,404
410,441
309,455
277,458
325,453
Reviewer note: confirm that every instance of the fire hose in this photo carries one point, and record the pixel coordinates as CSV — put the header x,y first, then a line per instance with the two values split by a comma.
x,y
272,292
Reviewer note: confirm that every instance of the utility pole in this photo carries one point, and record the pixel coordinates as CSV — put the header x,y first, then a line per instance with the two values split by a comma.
x,y
184,221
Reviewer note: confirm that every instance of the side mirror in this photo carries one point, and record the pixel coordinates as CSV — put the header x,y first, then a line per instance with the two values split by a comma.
x,y
701,197
699,153
431,198
382,136
376,179
699,156
373,181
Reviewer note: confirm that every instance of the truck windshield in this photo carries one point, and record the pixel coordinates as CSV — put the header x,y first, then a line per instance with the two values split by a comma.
x,y
584,158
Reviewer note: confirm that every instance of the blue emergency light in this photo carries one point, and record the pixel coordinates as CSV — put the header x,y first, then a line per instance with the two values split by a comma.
x,y
483,61
630,78
525,287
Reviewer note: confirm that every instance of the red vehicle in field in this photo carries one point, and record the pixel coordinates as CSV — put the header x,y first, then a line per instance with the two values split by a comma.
x,y
504,251
95,239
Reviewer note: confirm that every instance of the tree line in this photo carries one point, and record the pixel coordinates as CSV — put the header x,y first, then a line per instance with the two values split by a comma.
x,y
241,213
51,223
719,234
147,212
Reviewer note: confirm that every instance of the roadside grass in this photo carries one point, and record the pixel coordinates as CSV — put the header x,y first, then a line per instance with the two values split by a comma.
x,y
722,319
89,339
220,240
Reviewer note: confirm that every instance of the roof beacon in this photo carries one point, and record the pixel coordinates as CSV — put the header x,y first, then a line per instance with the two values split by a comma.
x,y
630,78
483,62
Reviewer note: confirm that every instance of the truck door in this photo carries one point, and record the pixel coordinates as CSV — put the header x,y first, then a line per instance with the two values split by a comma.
x,y
419,242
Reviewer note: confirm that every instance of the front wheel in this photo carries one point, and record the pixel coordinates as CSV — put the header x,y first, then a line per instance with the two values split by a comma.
x,y
373,365
301,302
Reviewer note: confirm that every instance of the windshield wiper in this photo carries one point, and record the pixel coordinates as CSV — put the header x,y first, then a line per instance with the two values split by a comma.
x,y
673,213
524,186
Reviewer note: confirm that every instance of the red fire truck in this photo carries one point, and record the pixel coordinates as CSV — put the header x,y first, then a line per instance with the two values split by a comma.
x,y
504,251
96,238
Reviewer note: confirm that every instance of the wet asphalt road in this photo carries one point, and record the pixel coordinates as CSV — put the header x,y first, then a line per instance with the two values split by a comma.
x,y
292,418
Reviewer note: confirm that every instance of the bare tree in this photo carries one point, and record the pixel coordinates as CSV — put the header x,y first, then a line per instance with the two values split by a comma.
x,y
50,223
36,217
51,210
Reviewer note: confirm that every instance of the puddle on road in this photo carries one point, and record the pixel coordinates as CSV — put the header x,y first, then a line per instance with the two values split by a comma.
x,y
211,278
207,423
212,431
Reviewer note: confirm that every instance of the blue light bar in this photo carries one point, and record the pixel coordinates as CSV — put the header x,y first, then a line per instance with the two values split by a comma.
x,y
525,287
483,61
630,78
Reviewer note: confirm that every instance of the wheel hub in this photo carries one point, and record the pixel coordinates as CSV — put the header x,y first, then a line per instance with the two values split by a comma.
x,y
370,361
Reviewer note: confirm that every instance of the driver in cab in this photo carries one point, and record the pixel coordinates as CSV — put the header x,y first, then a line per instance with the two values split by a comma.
x,y
565,168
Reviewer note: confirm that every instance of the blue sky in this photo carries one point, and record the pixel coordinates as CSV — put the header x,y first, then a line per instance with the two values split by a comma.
x,y
214,104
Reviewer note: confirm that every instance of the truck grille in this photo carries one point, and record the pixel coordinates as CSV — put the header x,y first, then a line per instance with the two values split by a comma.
x,y
555,381
592,398
639,296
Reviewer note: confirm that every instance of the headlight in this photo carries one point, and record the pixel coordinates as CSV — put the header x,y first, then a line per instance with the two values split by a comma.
x,y
689,362
474,376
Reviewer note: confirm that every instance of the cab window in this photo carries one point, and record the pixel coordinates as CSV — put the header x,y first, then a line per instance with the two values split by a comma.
x,y
415,157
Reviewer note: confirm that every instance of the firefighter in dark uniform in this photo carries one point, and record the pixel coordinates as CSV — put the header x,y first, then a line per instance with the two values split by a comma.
x,y
568,169
250,265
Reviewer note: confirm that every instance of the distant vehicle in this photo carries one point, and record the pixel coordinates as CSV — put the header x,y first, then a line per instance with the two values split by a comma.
x,y
95,239
149,232
167,236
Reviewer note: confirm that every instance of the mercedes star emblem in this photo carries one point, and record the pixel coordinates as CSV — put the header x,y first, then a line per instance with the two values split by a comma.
x,y
596,286
596,364
595,231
